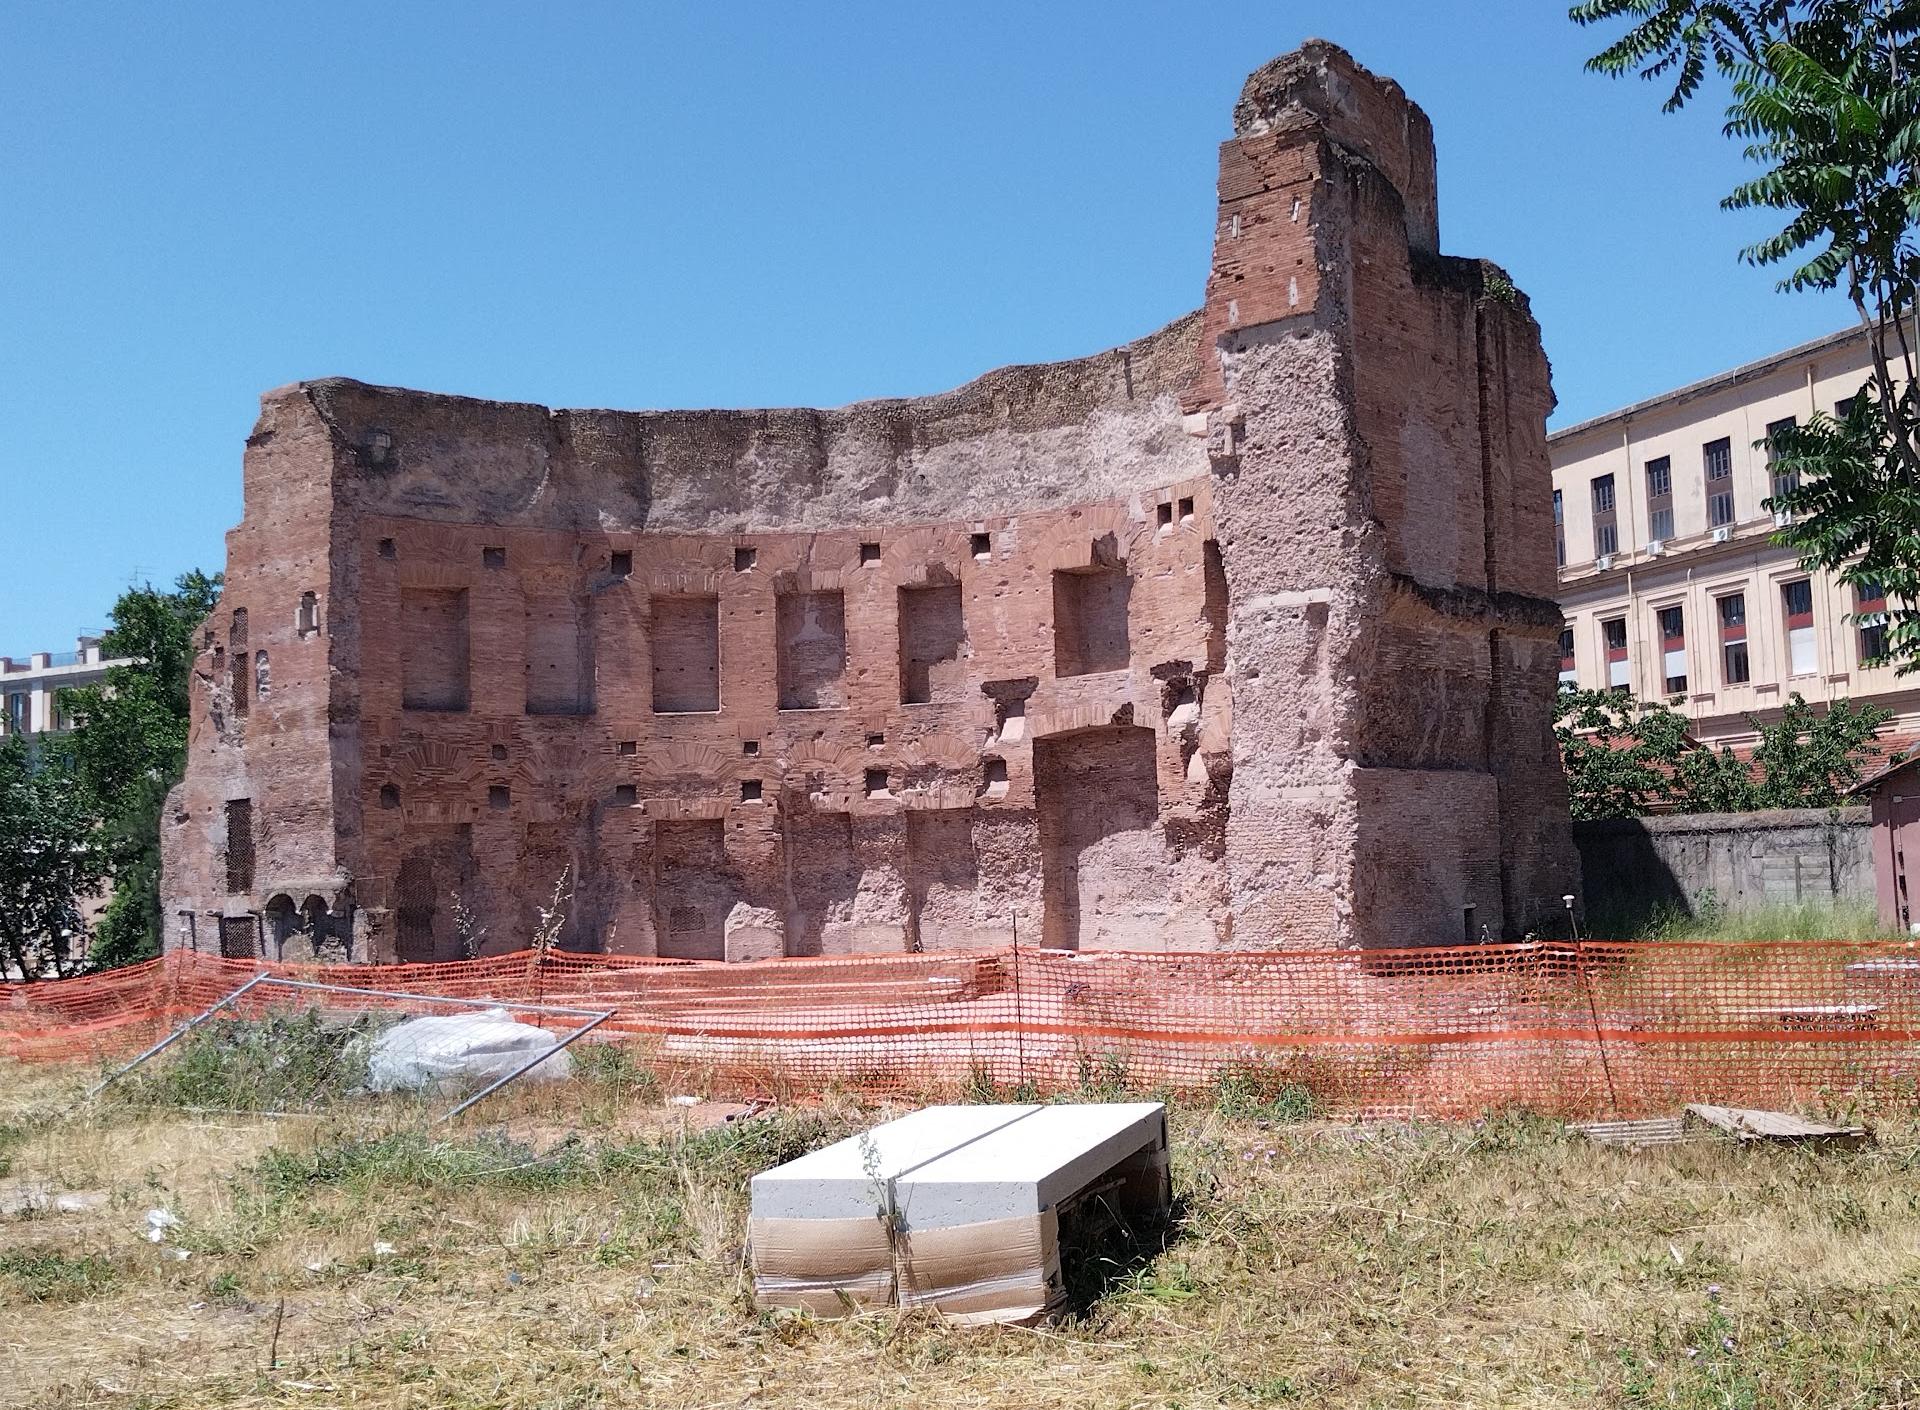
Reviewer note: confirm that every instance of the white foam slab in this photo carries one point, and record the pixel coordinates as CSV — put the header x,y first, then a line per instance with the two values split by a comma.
x,y
836,1182
948,1165
1028,1165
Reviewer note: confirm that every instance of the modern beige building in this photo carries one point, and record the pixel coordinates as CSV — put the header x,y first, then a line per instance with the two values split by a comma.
x,y
30,689
1669,578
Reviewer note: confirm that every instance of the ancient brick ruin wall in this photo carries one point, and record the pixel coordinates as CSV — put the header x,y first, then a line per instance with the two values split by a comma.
x,y
775,739
1377,424
1238,635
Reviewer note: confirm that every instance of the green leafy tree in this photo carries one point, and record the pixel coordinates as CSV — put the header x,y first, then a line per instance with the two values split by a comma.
x,y
50,859
1825,97
129,746
1611,771
1625,759
1809,758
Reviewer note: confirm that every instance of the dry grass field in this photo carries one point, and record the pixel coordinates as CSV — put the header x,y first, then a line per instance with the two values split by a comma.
x,y
580,1245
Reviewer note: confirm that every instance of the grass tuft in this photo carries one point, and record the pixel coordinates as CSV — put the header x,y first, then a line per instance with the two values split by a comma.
x,y
1709,920
50,1275
296,1060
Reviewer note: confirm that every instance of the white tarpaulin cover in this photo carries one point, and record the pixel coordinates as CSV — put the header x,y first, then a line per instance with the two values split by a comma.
x,y
462,1047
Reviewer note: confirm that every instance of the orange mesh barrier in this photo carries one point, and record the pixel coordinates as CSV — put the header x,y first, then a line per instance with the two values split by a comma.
x,y
1579,1030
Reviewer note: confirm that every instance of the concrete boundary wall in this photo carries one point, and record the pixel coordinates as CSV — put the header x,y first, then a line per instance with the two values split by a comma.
x,y
1739,861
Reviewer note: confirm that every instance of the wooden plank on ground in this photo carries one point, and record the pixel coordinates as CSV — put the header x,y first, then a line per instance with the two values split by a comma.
x,y
1753,1124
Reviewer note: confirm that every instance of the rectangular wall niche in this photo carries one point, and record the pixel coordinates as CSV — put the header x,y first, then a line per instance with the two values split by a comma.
x,y
811,629
434,648
1105,873
685,640
559,655
933,630
239,846
1090,620
943,877
693,888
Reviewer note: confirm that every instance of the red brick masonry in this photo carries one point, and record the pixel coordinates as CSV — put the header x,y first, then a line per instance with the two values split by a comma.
x,y
1239,635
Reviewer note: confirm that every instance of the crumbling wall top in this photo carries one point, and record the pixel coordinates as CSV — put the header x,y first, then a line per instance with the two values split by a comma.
x,y
1320,85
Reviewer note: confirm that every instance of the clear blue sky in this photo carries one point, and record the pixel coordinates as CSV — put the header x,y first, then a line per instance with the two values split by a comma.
x,y
724,204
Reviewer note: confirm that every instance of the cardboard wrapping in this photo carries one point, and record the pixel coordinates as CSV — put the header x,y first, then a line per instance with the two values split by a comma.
x,y
1001,1270
821,1264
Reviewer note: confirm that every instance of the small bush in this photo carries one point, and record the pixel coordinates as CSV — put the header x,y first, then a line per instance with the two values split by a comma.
x,y
1259,1094
615,1071
11,1138
280,1061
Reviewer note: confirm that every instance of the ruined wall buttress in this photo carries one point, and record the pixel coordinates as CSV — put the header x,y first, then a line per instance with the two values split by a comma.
x,y
1380,413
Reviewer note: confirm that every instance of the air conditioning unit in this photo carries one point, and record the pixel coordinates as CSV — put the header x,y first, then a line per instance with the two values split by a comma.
x,y
1656,547
1723,533
1602,563
1782,518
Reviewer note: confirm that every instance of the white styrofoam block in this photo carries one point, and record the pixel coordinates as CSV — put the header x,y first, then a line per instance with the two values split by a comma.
x,y
950,1165
1028,1165
835,1183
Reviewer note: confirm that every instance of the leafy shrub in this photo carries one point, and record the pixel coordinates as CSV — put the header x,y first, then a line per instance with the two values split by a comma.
x,y
279,1061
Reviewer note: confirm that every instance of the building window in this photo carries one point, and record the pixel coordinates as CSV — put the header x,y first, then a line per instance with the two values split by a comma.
x,y
1784,481
1614,631
1733,638
306,617
19,707
1559,531
1606,532
1870,619
1717,456
1569,675
1673,649
1659,500
1796,601
1843,408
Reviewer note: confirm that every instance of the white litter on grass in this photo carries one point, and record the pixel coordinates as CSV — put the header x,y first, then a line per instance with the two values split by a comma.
x,y
158,1222
683,1101
383,1249
466,1047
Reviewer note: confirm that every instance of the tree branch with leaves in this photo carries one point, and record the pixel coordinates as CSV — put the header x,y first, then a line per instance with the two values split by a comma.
x,y
1824,96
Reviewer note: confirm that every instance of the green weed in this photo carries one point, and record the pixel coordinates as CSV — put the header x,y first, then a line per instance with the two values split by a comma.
x,y
48,1275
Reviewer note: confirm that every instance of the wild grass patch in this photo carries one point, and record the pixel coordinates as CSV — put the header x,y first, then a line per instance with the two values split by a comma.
x,y
281,1061
45,1274
538,1261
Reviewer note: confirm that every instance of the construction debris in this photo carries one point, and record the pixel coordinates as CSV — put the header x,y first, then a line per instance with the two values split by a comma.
x,y
1750,1124
955,1208
1636,1135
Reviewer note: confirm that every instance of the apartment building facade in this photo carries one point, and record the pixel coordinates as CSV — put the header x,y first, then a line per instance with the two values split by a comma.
x,y
30,689
1670,580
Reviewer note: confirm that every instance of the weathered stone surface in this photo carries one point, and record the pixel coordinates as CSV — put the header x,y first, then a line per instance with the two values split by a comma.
x,y
1241,634
1691,862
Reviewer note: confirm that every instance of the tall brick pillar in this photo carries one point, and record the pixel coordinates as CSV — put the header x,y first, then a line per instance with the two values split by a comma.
x,y
1376,425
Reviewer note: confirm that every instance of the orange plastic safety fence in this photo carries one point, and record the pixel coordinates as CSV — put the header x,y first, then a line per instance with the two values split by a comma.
x,y
1575,1030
